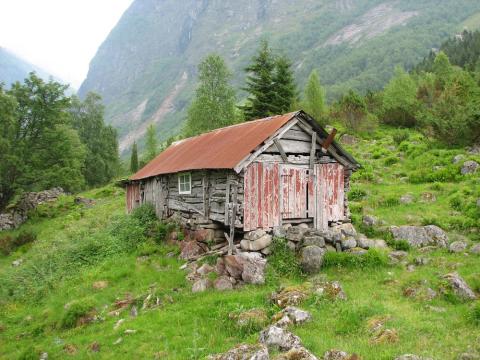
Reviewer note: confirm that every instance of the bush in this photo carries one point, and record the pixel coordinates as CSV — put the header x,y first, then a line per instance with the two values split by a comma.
x,y
390,161
403,245
282,259
145,214
356,194
73,314
372,258
9,243
162,230
400,136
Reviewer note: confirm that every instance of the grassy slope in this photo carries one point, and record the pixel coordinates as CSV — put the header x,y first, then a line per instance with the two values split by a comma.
x,y
190,326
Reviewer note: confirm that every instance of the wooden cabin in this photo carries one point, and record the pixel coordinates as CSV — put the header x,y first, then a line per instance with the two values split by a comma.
x,y
257,174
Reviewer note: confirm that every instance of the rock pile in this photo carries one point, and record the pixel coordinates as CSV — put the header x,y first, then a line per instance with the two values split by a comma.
x,y
18,214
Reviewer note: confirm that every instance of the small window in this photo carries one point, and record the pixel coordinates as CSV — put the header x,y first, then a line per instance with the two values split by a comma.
x,y
184,183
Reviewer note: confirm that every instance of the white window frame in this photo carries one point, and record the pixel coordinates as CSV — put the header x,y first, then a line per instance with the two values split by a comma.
x,y
183,179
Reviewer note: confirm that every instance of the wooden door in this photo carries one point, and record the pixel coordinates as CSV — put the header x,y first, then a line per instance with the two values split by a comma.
x,y
329,194
294,192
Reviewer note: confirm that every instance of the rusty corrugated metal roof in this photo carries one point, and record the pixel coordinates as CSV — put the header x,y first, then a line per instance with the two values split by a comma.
x,y
218,149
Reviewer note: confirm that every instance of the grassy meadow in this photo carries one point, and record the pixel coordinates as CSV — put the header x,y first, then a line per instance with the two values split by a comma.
x,y
66,297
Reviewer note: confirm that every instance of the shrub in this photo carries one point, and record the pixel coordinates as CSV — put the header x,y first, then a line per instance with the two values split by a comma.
x,y
372,258
6,244
356,194
145,214
391,160
9,243
282,259
403,245
162,231
400,136
74,313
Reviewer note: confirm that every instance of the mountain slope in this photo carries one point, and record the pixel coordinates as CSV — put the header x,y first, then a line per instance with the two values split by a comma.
x,y
13,69
150,57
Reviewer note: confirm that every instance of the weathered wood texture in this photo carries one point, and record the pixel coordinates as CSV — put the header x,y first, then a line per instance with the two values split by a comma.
x,y
329,194
293,185
132,196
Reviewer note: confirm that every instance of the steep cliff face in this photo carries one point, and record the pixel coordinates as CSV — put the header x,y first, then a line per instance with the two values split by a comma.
x,y
145,70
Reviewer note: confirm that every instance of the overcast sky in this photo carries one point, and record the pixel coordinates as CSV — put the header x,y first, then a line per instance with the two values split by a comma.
x,y
60,36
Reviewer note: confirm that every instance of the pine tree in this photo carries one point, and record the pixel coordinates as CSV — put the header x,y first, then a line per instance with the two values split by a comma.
x,y
134,159
285,88
214,103
314,93
260,86
151,143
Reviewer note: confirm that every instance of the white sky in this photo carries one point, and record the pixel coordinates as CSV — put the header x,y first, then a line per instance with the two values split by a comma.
x,y
59,36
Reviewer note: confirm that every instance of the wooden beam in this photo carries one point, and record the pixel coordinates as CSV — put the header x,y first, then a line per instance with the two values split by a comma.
x,y
312,150
329,140
331,150
280,149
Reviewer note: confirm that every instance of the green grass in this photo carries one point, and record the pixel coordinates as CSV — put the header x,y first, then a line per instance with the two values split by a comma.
x,y
40,312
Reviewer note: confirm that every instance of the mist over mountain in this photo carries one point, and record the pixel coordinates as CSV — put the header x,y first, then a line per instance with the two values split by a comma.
x,y
146,68
13,68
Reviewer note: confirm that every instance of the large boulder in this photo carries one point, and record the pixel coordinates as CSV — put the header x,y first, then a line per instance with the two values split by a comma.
x,y
244,352
420,236
298,353
277,338
459,286
257,244
475,249
296,233
369,220
249,267
316,240
311,258
191,249
457,246
223,283
201,285
469,167
346,230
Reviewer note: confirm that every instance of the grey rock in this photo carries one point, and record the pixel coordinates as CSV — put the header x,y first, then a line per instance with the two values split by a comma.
x,y
17,262
357,251
267,250
244,352
281,231
364,242
336,355
253,268
348,139
296,315
478,202
314,240
421,261
311,258
257,244
254,235
223,283
457,246
298,353
369,220
292,246
428,197
457,158
201,285
397,255
468,356
134,311
407,199
330,289
474,150
44,356
469,167
296,233
349,243
420,236
346,229
205,269
475,249
411,357
459,286
275,337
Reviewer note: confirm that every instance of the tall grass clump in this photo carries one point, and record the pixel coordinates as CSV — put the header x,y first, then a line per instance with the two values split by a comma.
x,y
371,259
282,261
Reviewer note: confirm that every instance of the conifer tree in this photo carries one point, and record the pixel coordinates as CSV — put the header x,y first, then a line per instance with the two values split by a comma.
x,y
214,103
260,86
151,143
134,159
285,88
314,93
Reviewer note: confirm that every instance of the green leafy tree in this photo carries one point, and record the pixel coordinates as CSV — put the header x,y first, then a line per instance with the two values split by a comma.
x,y
151,143
214,103
352,111
400,100
41,148
285,88
443,69
102,160
262,98
134,159
314,97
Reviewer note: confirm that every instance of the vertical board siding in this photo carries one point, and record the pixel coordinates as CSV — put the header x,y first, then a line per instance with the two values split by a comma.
x,y
329,194
261,196
133,196
294,185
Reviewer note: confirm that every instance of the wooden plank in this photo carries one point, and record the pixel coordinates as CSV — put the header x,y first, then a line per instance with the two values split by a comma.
x,y
312,149
280,149
299,134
